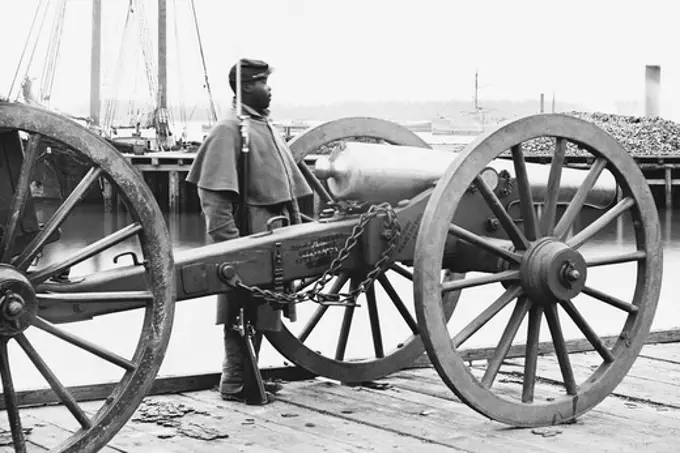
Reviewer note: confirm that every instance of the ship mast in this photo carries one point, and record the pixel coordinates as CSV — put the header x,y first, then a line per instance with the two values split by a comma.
x,y
95,66
162,117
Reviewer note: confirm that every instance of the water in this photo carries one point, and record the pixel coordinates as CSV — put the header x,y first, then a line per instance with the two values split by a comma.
x,y
197,130
195,345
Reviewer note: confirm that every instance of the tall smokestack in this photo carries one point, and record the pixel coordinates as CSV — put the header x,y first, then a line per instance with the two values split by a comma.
x,y
652,90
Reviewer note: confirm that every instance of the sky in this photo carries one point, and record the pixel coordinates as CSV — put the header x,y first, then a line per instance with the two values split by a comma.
x,y
591,52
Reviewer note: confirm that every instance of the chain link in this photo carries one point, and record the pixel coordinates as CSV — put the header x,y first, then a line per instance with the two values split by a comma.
x,y
392,232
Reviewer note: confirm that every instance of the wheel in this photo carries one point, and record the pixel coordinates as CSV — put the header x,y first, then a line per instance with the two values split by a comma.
x,y
319,340
588,274
37,320
324,136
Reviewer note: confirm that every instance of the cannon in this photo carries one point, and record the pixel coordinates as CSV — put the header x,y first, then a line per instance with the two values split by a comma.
x,y
445,224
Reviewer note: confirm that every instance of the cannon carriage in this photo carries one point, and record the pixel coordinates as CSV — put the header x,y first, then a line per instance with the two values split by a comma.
x,y
442,224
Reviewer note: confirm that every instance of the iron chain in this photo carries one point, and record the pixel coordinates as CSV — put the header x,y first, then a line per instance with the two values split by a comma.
x,y
392,233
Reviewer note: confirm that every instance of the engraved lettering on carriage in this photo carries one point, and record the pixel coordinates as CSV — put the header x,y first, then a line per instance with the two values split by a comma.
x,y
408,233
318,252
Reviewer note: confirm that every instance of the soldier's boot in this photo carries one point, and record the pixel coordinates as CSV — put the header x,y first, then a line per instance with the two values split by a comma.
x,y
241,379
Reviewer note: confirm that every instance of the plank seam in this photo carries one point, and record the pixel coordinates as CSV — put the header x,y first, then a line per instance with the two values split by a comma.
x,y
614,393
372,425
68,430
659,359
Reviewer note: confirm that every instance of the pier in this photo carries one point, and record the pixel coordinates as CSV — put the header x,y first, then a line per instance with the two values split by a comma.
x,y
165,173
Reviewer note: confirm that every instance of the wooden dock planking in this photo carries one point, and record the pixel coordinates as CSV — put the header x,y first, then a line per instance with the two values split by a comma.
x,y
127,440
40,434
662,352
558,439
612,416
649,380
427,387
288,412
411,410
261,427
250,428
437,420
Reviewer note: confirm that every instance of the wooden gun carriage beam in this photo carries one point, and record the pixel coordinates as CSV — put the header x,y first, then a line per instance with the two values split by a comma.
x,y
448,228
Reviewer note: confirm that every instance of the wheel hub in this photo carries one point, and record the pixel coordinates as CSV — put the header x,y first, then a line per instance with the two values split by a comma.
x,y
18,305
552,271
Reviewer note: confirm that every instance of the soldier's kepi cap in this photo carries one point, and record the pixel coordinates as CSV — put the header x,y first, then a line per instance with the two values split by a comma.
x,y
251,70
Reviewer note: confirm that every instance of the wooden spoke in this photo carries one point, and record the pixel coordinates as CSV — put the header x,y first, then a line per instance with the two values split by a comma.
x,y
97,297
526,200
313,181
343,337
588,331
401,270
531,358
504,276
312,322
21,194
591,230
11,400
302,284
375,322
487,245
505,342
396,300
553,188
345,327
85,253
61,391
485,316
504,218
616,259
27,256
576,204
561,351
84,344
321,309
611,300
306,218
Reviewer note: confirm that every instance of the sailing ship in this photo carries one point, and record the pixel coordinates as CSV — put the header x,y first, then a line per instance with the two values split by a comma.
x,y
133,123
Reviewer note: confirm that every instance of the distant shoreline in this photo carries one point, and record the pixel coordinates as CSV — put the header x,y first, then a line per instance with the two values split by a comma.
x,y
460,111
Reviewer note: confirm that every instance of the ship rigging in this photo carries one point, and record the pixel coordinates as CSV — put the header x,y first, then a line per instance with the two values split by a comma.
x,y
134,112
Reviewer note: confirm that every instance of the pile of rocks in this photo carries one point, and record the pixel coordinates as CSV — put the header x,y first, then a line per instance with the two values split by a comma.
x,y
338,145
640,136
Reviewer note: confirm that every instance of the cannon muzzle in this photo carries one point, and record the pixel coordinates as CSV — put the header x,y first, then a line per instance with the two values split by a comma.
x,y
376,173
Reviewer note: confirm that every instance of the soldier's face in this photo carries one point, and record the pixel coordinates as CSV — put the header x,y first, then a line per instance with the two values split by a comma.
x,y
259,94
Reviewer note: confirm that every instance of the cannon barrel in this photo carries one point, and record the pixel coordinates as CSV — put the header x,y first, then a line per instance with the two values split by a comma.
x,y
377,173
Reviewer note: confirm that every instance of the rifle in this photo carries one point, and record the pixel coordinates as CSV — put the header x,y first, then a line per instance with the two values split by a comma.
x,y
255,392
244,157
